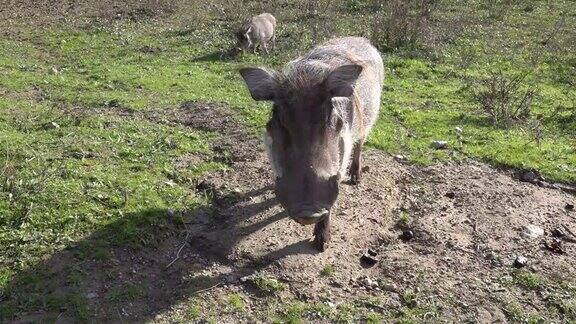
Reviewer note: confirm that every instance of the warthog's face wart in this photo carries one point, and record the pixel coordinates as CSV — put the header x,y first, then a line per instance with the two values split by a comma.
x,y
308,137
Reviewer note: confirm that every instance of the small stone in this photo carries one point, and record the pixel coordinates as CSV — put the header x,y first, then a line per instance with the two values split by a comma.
x,y
368,283
171,213
532,232
493,256
399,157
407,235
246,278
529,176
203,186
439,144
51,125
450,195
372,252
520,262
231,278
368,260
569,206
91,295
390,287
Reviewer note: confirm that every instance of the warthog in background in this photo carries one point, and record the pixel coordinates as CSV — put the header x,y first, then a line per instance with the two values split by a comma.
x,y
324,105
257,31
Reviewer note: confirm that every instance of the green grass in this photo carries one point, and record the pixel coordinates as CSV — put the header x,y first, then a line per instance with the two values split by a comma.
x,y
366,310
404,218
527,279
128,292
266,283
423,100
327,271
296,312
193,312
236,302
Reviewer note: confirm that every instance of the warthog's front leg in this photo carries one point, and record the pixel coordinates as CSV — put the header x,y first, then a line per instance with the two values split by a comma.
x,y
322,233
356,164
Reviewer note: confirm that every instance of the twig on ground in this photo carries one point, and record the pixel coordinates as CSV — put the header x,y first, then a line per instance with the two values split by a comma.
x,y
209,288
179,250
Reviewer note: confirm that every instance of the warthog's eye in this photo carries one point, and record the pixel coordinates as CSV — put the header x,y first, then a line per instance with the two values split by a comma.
x,y
336,122
339,124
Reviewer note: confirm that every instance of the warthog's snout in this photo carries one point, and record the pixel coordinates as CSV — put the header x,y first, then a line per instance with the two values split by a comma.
x,y
309,216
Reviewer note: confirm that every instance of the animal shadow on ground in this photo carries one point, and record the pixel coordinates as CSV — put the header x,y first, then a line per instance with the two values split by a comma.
x,y
152,260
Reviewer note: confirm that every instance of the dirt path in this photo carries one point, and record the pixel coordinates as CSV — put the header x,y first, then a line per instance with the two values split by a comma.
x,y
467,221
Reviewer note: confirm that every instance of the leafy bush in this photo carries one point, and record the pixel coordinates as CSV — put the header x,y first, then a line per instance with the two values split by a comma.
x,y
401,24
505,100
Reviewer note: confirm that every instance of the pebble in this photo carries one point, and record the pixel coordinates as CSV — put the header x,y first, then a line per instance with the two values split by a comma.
x,y
91,295
232,278
368,259
51,125
367,282
407,235
390,287
532,231
492,256
520,262
439,144
529,176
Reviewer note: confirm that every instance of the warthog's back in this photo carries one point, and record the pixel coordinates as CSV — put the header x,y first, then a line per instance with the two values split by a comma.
x,y
263,26
317,64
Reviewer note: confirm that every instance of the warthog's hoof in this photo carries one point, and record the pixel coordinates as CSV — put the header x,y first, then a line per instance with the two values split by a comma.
x,y
322,234
320,243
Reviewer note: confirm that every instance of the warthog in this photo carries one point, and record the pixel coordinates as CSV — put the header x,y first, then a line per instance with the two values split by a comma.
x,y
324,105
257,32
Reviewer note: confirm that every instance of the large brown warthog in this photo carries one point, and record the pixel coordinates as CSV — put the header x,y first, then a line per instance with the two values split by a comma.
x,y
324,105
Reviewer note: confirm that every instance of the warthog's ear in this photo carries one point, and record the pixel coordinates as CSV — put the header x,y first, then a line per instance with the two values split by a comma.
x,y
341,81
261,83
